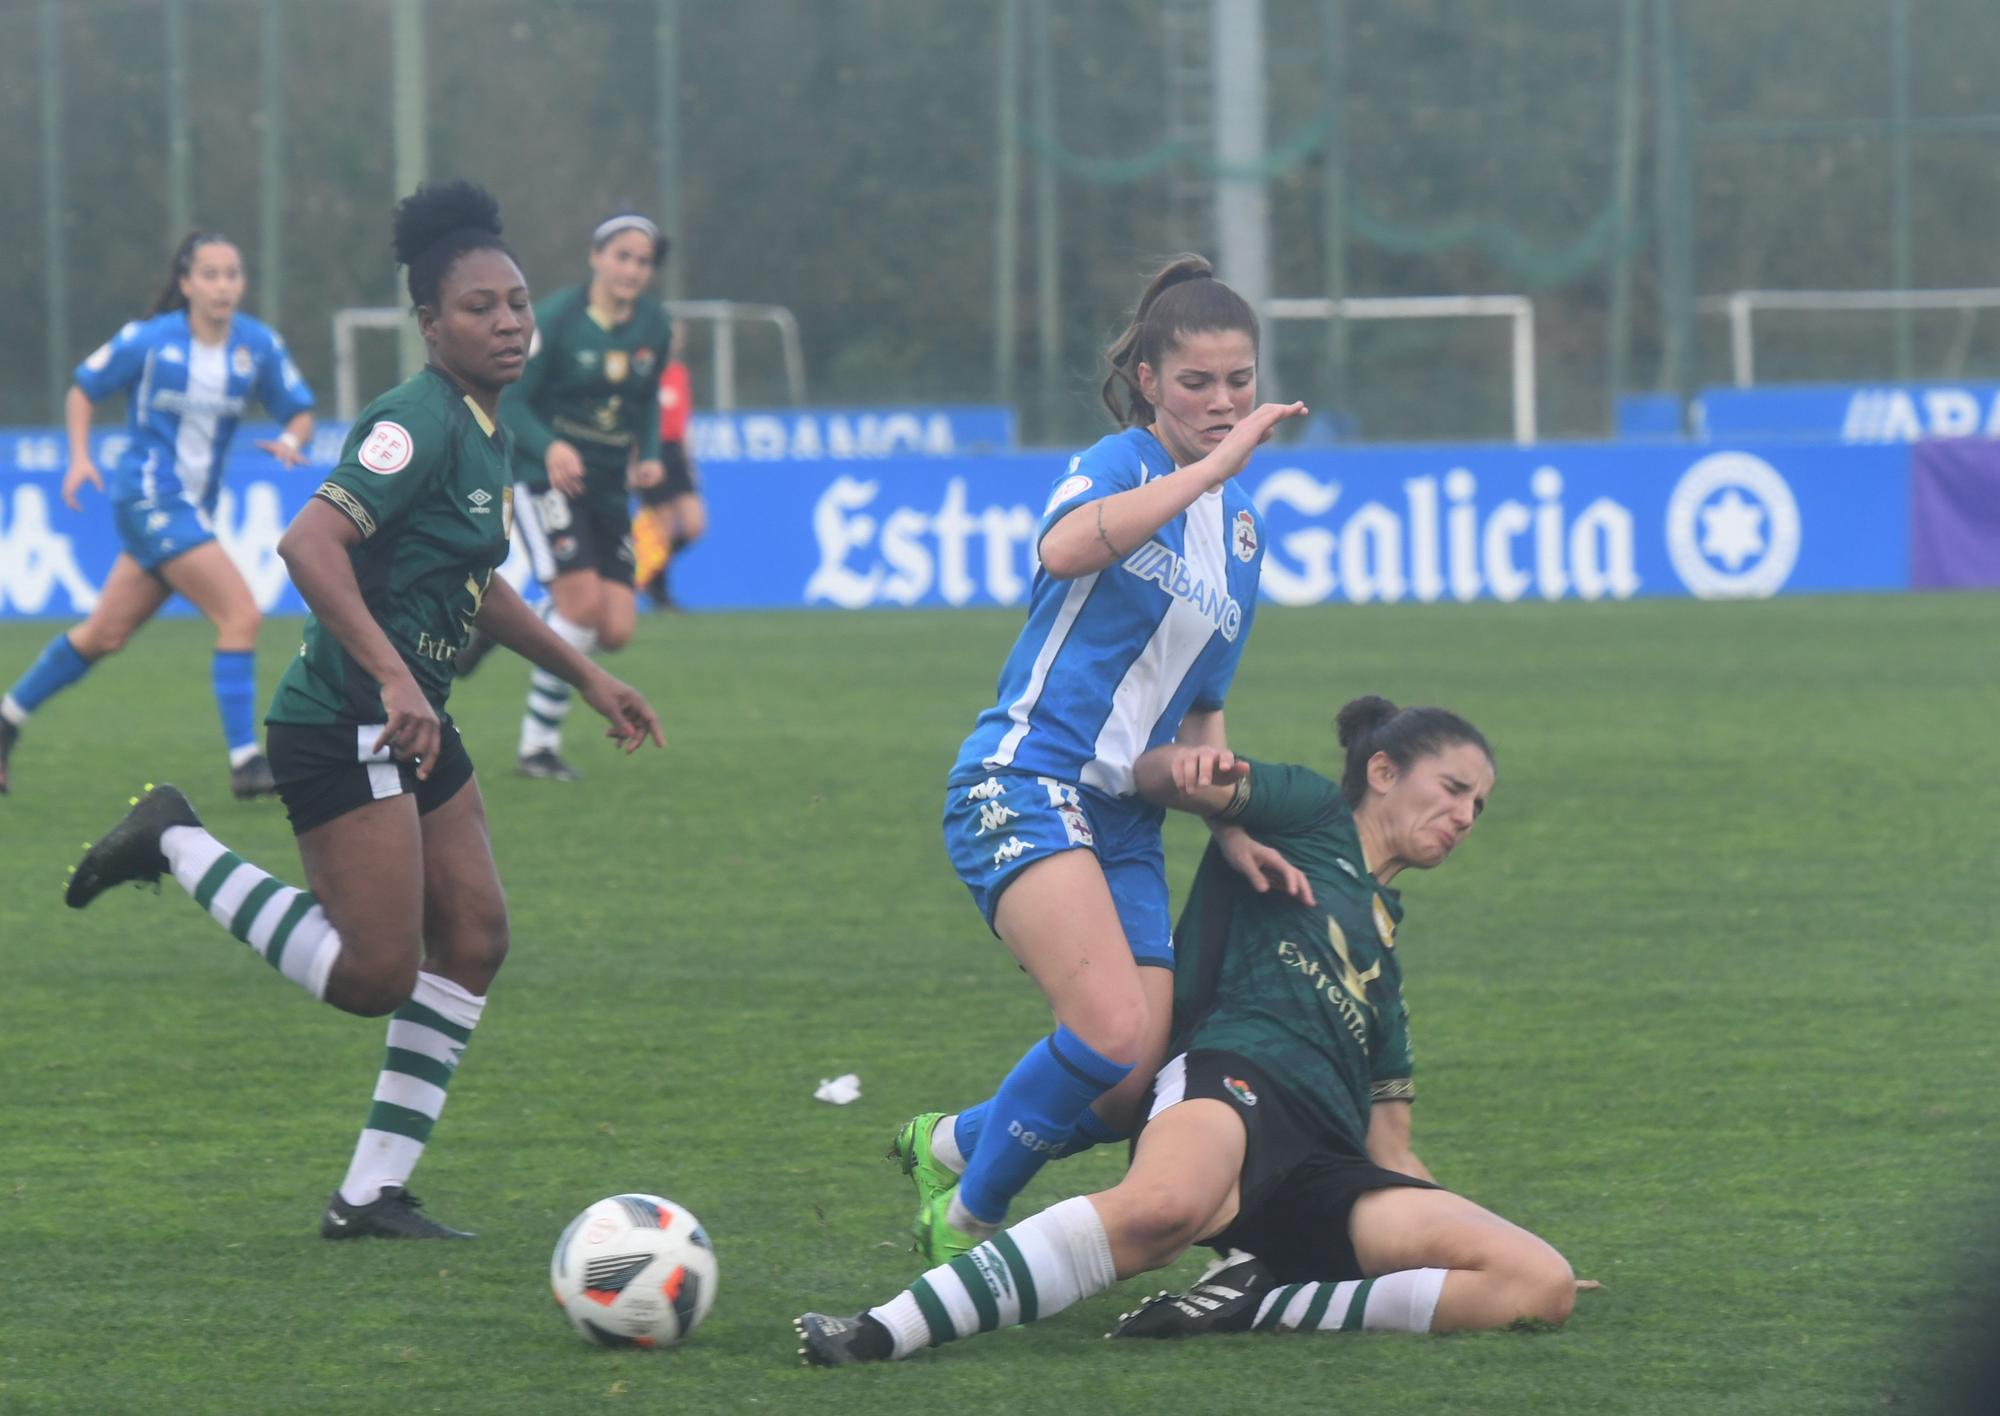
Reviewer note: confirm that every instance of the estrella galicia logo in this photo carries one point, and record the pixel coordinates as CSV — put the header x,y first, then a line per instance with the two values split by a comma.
x,y
1733,528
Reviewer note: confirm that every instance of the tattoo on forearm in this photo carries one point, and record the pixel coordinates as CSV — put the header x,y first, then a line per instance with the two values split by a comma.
x,y
1105,536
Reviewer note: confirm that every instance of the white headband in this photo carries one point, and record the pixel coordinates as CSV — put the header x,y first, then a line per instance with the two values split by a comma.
x,y
629,222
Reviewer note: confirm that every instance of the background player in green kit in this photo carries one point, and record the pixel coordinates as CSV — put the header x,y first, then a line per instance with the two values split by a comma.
x,y
394,555
585,419
1283,1124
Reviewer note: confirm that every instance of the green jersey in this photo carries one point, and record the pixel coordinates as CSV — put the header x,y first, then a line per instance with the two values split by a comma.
x,y
1312,994
592,385
425,478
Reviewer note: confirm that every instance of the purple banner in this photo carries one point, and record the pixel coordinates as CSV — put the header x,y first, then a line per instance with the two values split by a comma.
x,y
1955,515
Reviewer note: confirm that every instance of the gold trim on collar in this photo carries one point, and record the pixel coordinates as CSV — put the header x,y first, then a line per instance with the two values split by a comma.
x,y
485,423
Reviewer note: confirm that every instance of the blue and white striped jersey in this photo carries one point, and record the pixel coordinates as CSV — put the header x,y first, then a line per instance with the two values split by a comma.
x,y
1110,662
183,400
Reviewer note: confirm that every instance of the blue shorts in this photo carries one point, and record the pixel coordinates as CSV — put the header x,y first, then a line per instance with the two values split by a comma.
x,y
996,825
154,532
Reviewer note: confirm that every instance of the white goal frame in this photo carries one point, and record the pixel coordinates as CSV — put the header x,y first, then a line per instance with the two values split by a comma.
x,y
1518,310
1741,307
724,315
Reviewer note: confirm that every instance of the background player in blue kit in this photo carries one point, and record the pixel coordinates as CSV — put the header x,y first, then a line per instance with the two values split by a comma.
x,y
188,371
1147,587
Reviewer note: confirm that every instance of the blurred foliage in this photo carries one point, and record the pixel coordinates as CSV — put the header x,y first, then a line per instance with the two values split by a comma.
x,y
839,157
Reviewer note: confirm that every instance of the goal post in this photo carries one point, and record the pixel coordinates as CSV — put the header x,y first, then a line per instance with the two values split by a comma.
x,y
1741,306
723,315
1517,310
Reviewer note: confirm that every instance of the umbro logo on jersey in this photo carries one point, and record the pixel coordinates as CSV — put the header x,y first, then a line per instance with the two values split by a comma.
x,y
993,815
986,790
479,497
1012,849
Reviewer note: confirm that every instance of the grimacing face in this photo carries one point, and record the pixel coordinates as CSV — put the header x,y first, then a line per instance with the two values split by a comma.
x,y
483,321
1205,386
1430,807
213,284
624,264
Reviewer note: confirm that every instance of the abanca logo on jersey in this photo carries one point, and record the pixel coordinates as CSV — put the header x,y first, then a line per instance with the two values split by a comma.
x,y
1170,572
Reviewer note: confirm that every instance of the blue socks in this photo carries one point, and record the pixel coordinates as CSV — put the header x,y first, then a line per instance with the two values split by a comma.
x,y
233,673
1031,1118
58,667
1090,1131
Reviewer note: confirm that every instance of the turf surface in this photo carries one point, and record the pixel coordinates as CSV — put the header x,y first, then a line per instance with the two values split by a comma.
x,y
1709,1001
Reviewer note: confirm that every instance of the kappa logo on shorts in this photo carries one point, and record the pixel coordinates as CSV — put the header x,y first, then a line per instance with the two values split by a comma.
x,y
993,815
387,448
1011,849
986,790
1240,1090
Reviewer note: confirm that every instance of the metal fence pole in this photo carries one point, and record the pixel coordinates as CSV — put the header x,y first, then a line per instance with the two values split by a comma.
x,y
1899,177
1007,208
270,283
667,138
412,155
1624,180
1333,201
1048,274
180,201
1674,171
55,254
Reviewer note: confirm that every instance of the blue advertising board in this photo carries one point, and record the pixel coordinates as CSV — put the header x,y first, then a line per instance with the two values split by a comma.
x,y
1358,525
849,434
1852,413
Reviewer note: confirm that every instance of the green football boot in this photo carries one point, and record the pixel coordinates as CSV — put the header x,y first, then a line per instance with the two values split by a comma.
x,y
911,1150
937,1240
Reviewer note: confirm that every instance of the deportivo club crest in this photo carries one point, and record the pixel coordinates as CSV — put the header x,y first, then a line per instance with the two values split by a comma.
x,y
1244,536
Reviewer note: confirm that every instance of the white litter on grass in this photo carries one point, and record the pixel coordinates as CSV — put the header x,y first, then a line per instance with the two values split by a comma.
x,y
840,1090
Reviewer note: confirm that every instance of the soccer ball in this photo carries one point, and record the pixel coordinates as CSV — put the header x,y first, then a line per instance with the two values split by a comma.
x,y
634,1271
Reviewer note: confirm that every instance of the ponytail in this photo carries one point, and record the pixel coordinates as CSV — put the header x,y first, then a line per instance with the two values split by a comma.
x,y
1182,298
170,297
1373,724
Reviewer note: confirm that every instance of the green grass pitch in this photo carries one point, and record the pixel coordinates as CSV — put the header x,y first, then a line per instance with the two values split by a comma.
x,y
1709,1000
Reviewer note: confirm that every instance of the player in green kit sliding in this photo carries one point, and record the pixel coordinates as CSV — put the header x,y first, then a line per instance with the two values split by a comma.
x,y
394,555
586,424
1279,1133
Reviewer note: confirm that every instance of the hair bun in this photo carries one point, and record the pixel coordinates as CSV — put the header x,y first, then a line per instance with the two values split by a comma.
x,y
1362,716
436,209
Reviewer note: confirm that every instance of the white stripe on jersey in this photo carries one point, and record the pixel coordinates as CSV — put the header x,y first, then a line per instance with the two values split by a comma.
x,y
1021,708
194,440
148,480
1183,632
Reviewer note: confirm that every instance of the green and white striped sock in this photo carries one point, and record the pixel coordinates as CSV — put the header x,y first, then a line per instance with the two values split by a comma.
x,y
285,926
549,698
1395,1302
427,1035
1033,1270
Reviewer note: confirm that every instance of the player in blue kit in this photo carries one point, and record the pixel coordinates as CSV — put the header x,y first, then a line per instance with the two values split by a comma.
x,y
188,370
1148,584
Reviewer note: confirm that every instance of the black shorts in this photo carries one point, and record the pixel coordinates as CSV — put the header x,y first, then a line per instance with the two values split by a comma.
x,y
678,482
564,533
328,770
1299,1181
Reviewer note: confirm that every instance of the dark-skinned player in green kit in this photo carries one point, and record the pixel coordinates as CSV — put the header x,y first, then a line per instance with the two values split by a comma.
x,y
586,425
394,556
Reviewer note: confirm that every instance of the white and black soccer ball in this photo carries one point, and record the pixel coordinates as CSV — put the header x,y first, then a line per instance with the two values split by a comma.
x,y
634,1271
